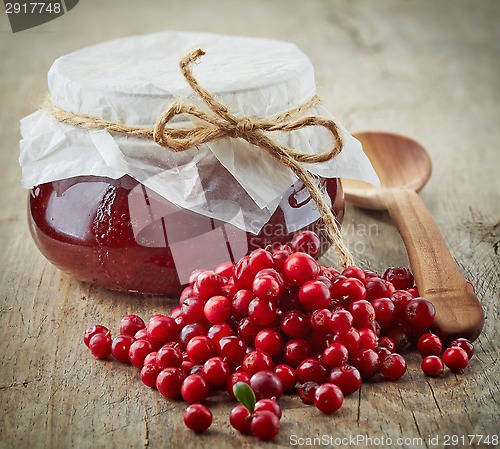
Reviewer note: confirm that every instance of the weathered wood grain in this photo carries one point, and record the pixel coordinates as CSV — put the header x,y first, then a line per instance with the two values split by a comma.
x,y
426,69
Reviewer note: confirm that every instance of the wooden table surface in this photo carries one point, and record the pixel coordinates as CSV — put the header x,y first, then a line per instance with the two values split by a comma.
x,y
427,69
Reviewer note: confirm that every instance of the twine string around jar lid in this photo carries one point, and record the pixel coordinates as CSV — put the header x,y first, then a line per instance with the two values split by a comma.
x,y
222,124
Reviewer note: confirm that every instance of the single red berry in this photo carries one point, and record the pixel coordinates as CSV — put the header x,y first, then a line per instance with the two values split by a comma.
x,y
366,361
216,371
297,350
150,359
401,278
232,349
320,321
256,361
456,359
312,369
336,354
350,339
168,357
265,425
130,324
295,324
287,376
218,309
393,366
194,389
233,379
306,392
200,349
198,417
193,310
300,268
306,242
169,382
241,300
328,398
269,341
149,374
314,295
465,344
162,328
367,338
340,321
225,269
120,348
261,311
362,313
100,345
268,286
207,284
91,331
419,313
382,352
260,259
243,274
266,384
429,344
388,343
270,405
191,330
240,419
385,311
354,272
347,378
218,331
248,330
138,351
350,290
432,365
376,288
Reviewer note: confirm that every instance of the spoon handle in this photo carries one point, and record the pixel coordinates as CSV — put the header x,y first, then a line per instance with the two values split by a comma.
x,y
437,277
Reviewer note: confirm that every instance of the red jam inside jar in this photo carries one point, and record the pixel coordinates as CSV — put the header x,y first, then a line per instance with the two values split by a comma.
x,y
120,235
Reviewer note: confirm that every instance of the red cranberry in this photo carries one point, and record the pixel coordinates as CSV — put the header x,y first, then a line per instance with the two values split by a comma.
x,y
401,278
149,374
265,425
300,268
225,269
366,361
354,272
429,344
138,352
350,339
297,350
260,259
387,342
328,398
130,324
367,339
216,371
194,389
314,295
241,300
268,286
200,349
218,331
287,376
376,288
347,378
306,242
169,382
162,328
91,331
312,369
270,341
207,284
191,330
465,344
217,309
320,321
340,321
349,289
120,348
261,311
256,361
198,417
306,392
336,354
385,311
232,349
294,324
234,378
419,313
393,366
270,405
240,419
168,356
432,365
100,345
248,330
362,313
266,384
456,359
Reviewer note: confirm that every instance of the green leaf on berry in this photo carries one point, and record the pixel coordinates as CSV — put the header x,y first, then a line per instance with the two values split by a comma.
x,y
245,395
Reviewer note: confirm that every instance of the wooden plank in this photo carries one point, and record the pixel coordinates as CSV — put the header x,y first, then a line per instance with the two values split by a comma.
x,y
426,69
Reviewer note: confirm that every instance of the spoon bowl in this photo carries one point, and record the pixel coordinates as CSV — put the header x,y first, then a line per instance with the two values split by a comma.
x,y
404,167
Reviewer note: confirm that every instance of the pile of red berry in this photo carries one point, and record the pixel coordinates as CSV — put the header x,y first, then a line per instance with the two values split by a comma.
x,y
278,322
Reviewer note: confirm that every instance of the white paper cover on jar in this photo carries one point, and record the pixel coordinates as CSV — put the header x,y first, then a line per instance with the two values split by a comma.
x,y
132,80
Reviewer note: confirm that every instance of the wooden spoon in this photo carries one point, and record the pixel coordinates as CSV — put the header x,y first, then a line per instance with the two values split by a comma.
x,y
403,167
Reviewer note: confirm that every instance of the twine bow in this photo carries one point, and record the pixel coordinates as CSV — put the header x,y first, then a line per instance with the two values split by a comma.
x,y
222,124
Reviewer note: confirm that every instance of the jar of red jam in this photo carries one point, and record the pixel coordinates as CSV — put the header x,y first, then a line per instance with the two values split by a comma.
x,y
125,212
87,226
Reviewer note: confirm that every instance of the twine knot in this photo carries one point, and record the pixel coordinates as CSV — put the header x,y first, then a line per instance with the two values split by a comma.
x,y
219,124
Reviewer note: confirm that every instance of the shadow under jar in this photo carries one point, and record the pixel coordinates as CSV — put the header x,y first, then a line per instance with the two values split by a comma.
x,y
120,235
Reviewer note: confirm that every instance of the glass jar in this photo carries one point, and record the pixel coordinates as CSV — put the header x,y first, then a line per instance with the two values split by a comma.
x,y
122,236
